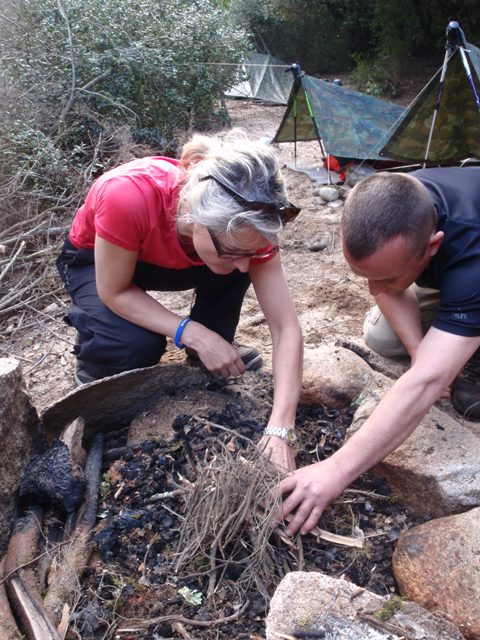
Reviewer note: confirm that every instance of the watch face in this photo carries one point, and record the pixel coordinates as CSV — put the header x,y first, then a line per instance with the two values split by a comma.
x,y
291,436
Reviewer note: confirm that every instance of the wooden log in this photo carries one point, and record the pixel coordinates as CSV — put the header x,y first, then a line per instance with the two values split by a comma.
x,y
22,584
30,612
8,624
72,436
76,556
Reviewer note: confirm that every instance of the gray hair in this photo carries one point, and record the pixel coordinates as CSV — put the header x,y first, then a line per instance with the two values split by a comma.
x,y
383,207
249,168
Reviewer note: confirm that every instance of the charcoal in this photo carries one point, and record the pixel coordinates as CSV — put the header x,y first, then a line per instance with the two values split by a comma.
x,y
52,479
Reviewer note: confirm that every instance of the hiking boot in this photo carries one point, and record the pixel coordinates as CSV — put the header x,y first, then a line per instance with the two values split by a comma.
x,y
250,356
466,390
81,375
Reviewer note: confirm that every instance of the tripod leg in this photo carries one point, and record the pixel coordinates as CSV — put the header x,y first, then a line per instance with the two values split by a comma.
x,y
437,104
469,76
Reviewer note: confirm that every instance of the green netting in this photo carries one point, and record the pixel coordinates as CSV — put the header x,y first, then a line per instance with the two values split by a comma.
x,y
456,134
350,124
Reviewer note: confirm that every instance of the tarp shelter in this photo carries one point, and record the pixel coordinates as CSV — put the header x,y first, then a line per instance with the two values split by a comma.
x,y
456,134
348,123
268,80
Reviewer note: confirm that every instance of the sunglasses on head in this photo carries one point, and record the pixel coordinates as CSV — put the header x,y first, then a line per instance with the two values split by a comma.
x,y
286,214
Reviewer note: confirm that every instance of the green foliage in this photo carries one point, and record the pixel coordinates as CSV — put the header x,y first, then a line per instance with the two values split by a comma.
x,y
296,31
392,606
75,70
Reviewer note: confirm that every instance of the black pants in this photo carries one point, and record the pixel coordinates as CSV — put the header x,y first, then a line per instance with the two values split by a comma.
x,y
108,344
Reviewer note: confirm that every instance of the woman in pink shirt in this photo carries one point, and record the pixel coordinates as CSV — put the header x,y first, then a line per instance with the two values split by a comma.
x,y
208,222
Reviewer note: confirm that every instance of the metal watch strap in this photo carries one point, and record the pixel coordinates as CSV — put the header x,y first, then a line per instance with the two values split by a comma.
x,y
285,433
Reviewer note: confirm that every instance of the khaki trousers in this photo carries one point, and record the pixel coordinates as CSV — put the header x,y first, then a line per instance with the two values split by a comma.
x,y
380,336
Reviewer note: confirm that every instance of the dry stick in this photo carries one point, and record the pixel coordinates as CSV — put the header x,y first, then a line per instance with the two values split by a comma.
x,y
74,562
189,621
22,589
12,259
372,359
8,624
5,309
23,565
385,626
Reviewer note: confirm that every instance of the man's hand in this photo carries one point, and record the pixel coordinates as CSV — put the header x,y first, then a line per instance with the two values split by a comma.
x,y
310,489
278,451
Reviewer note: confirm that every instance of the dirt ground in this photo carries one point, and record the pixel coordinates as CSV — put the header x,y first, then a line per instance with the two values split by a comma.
x,y
330,300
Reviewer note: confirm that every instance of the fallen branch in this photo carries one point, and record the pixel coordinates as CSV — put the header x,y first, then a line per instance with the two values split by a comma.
x,y
385,626
190,621
8,625
22,588
33,619
12,260
372,359
74,561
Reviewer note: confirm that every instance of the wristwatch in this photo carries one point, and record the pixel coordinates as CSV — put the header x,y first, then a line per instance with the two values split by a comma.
x,y
286,434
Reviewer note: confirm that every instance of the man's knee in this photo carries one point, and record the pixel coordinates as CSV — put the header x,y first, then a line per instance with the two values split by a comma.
x,y
379,335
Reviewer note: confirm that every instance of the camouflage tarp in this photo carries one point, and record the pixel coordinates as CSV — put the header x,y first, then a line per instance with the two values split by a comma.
x,y
456,134
349,124
266,80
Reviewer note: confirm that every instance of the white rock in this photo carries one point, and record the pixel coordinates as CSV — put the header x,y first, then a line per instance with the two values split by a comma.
x,y
328,193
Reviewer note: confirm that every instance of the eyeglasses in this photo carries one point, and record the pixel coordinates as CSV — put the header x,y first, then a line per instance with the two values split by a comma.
x,y
225,253
286,214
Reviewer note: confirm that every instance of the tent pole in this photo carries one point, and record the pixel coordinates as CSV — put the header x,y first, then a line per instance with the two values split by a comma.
x,y
295,129
469,76
437,104
319,137
296,70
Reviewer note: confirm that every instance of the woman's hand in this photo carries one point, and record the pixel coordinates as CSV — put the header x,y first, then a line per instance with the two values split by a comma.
x,y
216,354
278,451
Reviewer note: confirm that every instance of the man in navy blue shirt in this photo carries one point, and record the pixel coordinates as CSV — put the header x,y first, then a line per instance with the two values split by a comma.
x,y
411,236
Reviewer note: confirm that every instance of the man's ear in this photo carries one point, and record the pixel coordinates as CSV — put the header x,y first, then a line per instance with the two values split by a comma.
x,y
435,242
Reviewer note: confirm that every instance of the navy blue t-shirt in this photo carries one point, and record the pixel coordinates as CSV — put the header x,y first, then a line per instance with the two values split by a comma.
x,y
455,269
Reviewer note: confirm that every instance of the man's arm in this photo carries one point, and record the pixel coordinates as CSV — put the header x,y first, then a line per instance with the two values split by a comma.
x,y
440,357
403,315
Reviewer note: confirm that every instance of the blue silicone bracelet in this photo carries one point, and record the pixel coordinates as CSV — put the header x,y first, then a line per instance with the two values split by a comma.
x,y
179,331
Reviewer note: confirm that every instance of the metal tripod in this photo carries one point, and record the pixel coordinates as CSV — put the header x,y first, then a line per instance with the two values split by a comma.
x,y
455,42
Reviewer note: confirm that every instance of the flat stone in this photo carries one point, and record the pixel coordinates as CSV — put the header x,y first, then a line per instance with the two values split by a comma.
x,y
312,602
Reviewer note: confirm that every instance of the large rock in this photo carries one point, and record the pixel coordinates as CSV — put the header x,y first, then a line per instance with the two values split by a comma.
x,y
437,564
21,436
331,608
435,471
333,376
112,403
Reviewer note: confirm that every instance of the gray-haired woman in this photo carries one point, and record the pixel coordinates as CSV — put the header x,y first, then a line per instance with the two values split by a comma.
x,y
208,222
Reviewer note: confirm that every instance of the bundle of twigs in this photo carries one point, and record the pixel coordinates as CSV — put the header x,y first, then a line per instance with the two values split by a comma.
x,y
229,510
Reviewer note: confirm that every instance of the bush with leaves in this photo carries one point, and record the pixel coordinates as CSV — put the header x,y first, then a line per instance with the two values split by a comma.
x,y
77,68
87,84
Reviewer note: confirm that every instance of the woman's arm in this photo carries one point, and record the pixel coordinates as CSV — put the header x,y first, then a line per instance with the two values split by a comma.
x,y
274,297
114,269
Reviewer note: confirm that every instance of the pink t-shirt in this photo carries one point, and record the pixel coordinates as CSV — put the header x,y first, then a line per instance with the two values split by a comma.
x,y
133,206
